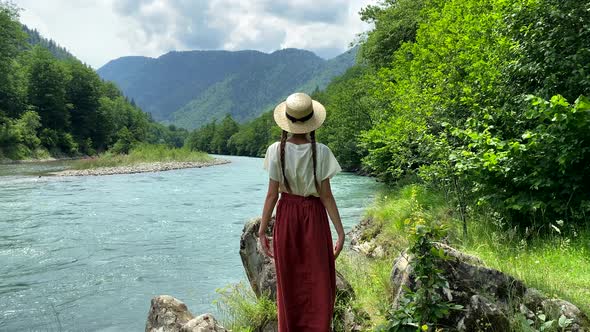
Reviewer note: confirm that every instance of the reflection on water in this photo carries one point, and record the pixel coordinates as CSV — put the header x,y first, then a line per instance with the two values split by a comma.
x,y
88,253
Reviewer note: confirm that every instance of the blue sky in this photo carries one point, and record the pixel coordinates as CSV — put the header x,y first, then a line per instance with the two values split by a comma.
x,y
97,31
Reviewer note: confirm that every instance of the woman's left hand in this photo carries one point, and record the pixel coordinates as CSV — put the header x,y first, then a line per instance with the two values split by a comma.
x,y
338,246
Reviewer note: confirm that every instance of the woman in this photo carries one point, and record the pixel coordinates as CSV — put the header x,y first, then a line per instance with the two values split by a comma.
x,y
300,169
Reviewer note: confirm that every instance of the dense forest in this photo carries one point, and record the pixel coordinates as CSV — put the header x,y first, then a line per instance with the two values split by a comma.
x,y
484,97
51,104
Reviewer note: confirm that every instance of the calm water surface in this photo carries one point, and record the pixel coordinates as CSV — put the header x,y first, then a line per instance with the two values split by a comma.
x,y
88,253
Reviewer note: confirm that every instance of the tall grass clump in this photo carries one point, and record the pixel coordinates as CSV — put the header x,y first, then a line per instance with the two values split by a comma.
x,y
390,214
241,310
555,263
369,278
144,153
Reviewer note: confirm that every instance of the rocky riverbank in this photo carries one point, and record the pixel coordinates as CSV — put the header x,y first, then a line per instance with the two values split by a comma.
x,y
169,314
490,300
139,168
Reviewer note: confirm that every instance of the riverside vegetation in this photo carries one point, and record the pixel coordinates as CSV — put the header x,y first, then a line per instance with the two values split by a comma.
x,y
475,113
139,159
144,153
53,105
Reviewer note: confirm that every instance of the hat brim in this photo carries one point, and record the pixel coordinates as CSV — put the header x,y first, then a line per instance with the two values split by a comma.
x,y
318,118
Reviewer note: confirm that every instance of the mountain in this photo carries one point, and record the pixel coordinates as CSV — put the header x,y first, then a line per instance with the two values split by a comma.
x,y
34,38
192,88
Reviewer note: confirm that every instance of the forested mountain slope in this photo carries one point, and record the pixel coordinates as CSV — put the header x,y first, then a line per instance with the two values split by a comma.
x,y
192,88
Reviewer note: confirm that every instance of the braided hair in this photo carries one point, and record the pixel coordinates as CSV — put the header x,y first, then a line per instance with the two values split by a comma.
x,y
283,142
314,160
313,156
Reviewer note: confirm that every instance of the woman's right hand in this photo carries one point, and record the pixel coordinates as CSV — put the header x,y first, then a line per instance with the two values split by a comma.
x,y
264,243
338,246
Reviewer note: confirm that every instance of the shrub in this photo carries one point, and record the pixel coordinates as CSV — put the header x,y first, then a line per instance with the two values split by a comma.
x,y
541,173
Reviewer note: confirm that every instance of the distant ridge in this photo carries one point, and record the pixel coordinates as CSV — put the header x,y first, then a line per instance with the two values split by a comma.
x,y
192,88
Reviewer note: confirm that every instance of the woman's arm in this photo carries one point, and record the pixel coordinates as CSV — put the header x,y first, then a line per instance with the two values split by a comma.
x,y
330,204
272,196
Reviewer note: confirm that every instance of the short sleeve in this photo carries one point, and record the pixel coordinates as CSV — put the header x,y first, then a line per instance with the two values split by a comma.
x,y
330,165
271,163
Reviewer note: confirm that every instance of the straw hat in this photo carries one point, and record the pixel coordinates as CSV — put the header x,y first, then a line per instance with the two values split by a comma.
x,y
299,114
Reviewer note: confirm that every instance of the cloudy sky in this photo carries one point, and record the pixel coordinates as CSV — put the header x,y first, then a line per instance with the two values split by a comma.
x,y
97,31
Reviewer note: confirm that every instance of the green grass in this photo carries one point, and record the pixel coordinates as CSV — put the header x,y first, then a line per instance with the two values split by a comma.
x,y
557,265
369,279
144,153
392,211
241,310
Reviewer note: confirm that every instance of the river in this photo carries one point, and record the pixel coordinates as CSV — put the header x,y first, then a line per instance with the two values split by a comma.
x,y
88,253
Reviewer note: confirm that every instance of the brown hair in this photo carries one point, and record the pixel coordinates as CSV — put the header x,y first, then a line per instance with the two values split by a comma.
x,y
313,157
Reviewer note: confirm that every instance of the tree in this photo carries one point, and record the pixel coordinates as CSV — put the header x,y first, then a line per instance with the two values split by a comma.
x,y
351,111
396,22
201,139
12,89
47,89
84,90
223,132
553,48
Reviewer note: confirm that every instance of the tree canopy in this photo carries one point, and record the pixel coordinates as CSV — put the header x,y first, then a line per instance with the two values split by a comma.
x,y
50,102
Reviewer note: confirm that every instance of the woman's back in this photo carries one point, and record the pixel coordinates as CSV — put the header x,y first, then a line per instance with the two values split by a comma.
x,y
302,241
299,166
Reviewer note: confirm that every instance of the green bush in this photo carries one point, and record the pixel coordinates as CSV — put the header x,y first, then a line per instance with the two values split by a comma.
x,y
67,144
538,175
426,304
124,143
18,137
49,138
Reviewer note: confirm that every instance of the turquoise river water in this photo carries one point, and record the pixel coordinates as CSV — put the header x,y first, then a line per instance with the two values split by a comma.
x,y
88,253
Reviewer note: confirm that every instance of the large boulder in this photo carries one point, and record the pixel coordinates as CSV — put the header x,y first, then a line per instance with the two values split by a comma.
x,y
203,323
168,314
261,273
260,269
489,297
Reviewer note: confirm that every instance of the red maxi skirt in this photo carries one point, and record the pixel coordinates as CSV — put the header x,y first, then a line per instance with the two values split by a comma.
x,y
304,261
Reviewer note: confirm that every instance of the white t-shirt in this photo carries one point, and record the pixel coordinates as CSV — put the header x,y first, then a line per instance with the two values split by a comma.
x,y
299,166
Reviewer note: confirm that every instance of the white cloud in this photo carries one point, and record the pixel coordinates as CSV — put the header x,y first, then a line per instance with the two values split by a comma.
x,y
97,31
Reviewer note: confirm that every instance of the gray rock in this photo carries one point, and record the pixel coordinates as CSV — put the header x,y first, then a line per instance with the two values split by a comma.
x,y
168,314
401,275
557,307
483,315
368,247
488,296
260,268
203,323
272,326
